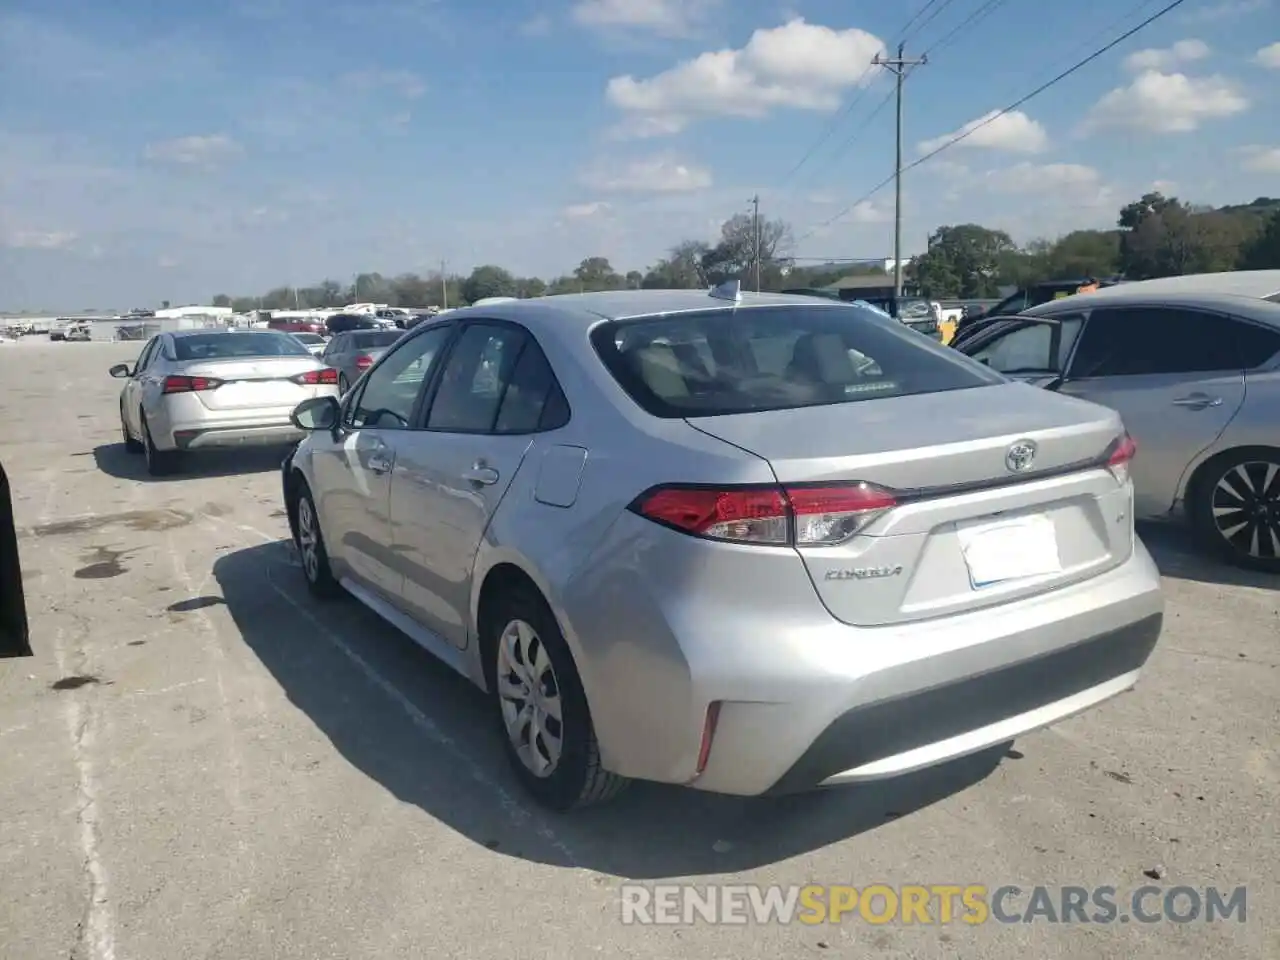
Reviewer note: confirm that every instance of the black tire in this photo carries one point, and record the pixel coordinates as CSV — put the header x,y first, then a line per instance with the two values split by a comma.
x,y
343,385
160,463
1254,507
130,444
577,779
312,555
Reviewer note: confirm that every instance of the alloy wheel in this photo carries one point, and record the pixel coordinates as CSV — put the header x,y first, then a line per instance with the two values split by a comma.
x,y
307,539
1246,508
529,694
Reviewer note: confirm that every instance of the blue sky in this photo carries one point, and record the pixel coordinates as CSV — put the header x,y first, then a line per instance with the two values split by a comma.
x,y
173,151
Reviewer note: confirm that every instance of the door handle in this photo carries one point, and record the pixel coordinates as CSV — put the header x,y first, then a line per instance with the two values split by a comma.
x,y
1198,402
378,463
485,476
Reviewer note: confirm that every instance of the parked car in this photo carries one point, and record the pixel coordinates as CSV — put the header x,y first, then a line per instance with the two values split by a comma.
x,y
295,325
1196,377
343,322
314,343
352,353
1025,298
15,640
748,543
194,390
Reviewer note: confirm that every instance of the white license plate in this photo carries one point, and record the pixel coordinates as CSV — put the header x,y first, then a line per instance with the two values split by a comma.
x,y
1014,549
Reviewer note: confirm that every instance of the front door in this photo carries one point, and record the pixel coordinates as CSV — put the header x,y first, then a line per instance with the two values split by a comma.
x,y
354,471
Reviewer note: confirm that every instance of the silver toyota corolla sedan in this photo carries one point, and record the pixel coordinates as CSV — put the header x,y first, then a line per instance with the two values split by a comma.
x,y
749,543
194,390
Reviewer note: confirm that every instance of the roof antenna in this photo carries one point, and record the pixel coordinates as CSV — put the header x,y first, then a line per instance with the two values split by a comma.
x,y
729,290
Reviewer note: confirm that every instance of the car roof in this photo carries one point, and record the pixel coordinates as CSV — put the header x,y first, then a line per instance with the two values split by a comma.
x,y
585,310
1259,284
1250,307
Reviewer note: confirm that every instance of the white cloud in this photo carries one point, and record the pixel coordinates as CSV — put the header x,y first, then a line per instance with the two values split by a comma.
x,y
1269,56
538,25
1014,132
41,240
1166,187
1226,10
579,211
868,212
403,82
1166,103
1166,58
194,151
670,18
1261,159
799,65
661,174
1038,178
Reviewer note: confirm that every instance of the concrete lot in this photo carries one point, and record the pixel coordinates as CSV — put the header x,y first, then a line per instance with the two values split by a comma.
x,y
200,763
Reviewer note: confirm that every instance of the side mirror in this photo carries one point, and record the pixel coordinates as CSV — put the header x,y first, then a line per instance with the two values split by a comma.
x,y
318,413
121,371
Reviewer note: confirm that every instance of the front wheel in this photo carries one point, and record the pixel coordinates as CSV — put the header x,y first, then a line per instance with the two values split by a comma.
x,y
542,709
130,444
311,550
1235,508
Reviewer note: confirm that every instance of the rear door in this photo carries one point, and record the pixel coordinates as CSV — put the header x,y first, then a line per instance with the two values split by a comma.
x,y
496,391
354,472
1176,377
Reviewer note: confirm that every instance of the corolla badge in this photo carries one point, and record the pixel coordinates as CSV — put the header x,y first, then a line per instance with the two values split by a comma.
x,y
1020,456
863,573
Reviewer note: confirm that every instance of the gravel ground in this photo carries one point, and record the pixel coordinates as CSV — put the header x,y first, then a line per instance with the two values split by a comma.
x,y
200,763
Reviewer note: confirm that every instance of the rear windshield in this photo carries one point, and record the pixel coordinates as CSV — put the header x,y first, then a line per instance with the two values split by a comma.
x,y
309,337
216,346
775,358
376,338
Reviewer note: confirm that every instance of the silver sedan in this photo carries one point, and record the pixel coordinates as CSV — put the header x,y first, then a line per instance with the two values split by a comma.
x,y
747,543
193,390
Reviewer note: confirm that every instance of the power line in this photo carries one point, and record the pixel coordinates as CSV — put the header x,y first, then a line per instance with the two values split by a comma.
x,y
1168,8
857,99
968,23
928,20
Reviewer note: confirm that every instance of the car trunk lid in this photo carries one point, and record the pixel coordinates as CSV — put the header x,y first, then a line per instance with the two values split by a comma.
x,y
253,381
966,529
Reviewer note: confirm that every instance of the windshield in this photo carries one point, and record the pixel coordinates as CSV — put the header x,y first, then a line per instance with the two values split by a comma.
x,y
216,346
309,337
774,358
376,338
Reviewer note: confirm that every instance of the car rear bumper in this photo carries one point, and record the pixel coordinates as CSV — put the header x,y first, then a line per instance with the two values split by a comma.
x,y
805,700
211,436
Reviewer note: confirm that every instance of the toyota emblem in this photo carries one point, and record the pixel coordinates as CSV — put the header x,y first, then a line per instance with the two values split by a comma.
x,y
1020,456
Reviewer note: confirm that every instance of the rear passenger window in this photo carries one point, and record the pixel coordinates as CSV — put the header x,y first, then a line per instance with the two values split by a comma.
x,y
524,403
1134,341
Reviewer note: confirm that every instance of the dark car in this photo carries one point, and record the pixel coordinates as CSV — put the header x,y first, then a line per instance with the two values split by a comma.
x,y
346,322
14,638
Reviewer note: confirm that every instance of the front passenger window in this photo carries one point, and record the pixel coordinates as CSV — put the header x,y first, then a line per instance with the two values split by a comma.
x,y
391,390
1033,348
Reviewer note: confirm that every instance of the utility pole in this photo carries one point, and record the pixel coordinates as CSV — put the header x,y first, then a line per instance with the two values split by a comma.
x,y
899,66
444,286
755,233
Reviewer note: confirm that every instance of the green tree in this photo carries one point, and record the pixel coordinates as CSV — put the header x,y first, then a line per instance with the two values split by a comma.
x,y
1263,251
488,281
221,300
681,269
596,273
634,279
964,260
735,254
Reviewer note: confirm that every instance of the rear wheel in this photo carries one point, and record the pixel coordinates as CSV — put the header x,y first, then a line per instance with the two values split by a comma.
x,y
1235,507
159,462
130,444
542,709
311,550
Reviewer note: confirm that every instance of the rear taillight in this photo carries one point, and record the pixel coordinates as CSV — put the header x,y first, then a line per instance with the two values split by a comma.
x,y
190,384
799,515
1119,455
364,362
311,377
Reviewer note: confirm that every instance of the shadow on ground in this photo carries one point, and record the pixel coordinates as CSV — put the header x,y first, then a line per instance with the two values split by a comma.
x,y
429,737
1179,556
115,461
